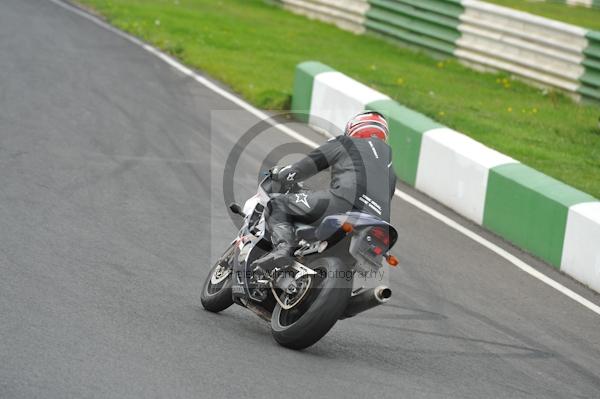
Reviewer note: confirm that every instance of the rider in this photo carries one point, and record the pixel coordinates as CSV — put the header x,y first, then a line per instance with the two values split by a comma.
x,y
361,179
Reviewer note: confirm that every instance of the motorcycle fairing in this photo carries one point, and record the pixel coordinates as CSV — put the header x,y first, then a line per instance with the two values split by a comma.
x,y
333,224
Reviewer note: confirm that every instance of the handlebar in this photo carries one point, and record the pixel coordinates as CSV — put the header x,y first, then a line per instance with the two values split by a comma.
x,y
276,187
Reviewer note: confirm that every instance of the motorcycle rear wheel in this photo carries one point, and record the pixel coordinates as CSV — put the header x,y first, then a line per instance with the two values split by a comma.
x,y
309,320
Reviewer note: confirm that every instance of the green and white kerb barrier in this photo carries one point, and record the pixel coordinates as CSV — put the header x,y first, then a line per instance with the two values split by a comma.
x,y
540,49
583,3
553,221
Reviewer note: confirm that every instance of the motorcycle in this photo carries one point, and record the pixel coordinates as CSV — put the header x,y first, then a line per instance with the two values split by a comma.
x,y
336,272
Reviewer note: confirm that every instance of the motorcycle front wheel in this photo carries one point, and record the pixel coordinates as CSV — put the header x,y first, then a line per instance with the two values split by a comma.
x,y
320,308
216,293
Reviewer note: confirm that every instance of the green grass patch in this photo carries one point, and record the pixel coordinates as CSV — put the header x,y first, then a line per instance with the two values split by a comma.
x,y
576,15
254,48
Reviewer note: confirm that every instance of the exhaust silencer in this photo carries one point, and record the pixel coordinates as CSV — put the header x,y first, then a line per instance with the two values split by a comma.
x,y
366,300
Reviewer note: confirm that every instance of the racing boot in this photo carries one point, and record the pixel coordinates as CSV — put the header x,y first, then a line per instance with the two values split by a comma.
x,y
284,241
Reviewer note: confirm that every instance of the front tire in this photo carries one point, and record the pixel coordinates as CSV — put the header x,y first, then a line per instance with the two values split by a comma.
x,y
216,293
308,321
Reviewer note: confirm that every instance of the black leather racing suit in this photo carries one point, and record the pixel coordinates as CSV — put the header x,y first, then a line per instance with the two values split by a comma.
x,y
362,179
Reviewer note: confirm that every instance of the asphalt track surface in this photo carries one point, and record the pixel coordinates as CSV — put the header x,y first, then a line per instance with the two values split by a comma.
x,y
110,206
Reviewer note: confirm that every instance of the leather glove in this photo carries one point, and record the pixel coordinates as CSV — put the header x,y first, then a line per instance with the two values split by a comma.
x,y
280,173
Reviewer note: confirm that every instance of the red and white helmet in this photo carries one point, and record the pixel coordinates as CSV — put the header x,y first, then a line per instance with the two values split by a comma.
x,y
366,125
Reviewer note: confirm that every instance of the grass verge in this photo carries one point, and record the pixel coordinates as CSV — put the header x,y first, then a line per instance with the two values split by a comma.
x,y
254,47
576,15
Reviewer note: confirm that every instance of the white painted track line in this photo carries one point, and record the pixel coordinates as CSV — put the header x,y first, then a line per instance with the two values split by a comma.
x,y
297,136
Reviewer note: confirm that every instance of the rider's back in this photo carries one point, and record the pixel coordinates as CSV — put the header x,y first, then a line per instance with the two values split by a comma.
x,y
361,173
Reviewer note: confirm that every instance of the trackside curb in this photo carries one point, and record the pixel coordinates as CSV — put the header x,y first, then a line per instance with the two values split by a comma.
x,y
539,214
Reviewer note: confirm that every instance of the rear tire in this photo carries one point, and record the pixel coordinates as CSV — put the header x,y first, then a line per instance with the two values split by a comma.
x,y
299,328
218,297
